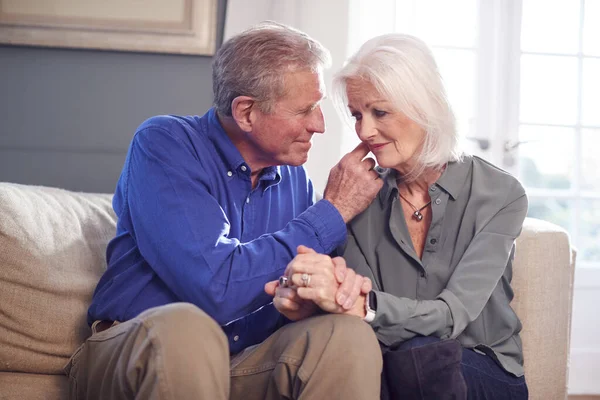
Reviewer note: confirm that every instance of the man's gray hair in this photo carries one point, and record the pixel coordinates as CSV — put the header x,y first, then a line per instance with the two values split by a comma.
x,y
403,70
255,63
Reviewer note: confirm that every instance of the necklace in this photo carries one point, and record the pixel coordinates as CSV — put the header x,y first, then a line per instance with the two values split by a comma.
x,y
417,214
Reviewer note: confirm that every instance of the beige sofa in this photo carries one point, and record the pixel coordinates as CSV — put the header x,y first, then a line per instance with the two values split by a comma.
x,y
52,245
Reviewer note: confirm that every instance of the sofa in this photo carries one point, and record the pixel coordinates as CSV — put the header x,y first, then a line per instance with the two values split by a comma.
x,y
52,254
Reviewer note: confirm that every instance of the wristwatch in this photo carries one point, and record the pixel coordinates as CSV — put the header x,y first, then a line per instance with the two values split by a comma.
x,y
370,306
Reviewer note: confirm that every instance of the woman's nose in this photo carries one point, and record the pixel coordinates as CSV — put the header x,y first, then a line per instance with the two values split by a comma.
x,y
366,129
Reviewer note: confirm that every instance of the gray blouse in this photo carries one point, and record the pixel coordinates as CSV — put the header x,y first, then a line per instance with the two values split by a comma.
x,y
461,286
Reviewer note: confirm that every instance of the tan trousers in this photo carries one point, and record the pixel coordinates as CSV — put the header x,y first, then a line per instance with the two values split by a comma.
x,y
178,352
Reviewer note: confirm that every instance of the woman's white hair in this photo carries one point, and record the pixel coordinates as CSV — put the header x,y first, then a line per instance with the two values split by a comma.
x,y
255,63
402,69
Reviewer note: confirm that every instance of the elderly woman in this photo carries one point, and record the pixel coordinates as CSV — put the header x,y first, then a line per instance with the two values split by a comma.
x,y
437,242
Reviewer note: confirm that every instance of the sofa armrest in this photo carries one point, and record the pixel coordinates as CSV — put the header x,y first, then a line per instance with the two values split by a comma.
x,y
543,272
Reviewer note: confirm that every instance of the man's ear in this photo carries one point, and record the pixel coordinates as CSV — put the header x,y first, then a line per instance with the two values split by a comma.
x,y
242,108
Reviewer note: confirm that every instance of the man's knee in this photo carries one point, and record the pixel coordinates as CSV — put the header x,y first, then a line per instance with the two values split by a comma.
x,y
183,324
356,339
187,345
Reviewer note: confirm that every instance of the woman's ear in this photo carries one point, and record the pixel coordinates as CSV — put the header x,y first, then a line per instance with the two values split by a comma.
x,y
241,111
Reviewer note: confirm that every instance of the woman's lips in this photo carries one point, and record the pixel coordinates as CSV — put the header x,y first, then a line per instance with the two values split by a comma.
x,y
375,147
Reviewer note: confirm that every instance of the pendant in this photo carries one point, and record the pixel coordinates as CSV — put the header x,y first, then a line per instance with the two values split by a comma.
x,y
418,216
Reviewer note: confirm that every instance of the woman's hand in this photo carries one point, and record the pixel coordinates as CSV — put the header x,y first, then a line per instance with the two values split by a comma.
x,y
318,280
329,282
312,276
352,285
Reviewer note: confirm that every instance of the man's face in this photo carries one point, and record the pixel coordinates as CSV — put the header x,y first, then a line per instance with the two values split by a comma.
x,y
283,137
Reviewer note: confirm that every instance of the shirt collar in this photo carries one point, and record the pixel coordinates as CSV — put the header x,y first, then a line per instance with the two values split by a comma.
x,y
230,154
390,188
271,176
451,181
454,176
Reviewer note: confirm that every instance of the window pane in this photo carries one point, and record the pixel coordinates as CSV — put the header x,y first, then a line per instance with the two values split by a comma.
x,y
558,211
457,68
368,21
548,89
546,159
590,162
550,26
591,28
445,23
589,238
590,104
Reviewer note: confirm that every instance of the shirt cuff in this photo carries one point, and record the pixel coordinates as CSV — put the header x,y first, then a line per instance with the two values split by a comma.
x,y
327,223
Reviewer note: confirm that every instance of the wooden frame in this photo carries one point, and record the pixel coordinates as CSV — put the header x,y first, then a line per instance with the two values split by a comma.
x,y
161,26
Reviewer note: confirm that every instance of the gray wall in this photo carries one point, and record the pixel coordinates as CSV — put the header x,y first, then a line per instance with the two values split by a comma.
x,y
67,116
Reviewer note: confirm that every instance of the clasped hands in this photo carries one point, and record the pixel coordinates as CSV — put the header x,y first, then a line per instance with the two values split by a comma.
x,y
328,285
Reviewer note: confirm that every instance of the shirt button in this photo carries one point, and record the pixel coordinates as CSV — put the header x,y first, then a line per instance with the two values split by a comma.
x,y
438,201
247,200
244,168
236,338
433,241
229,173
433,188
422,274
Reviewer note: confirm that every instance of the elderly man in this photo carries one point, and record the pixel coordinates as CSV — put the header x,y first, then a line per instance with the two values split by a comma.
x,y
210,209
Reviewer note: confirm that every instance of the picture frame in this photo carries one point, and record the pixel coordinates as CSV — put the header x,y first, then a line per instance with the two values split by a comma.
x,y
156,26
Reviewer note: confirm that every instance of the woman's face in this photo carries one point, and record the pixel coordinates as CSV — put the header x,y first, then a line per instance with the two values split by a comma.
x,y
393,138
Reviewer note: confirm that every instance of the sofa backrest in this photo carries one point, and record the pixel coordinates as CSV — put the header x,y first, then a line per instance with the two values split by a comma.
x,y
52,254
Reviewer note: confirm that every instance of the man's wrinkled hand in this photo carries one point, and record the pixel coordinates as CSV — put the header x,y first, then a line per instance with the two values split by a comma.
x,y
352,184
288,303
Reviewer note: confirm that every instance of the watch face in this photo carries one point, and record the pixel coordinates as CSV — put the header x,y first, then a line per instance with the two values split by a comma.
x,y
372,301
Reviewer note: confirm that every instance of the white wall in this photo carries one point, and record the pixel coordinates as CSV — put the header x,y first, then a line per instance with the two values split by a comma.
x,y
584,374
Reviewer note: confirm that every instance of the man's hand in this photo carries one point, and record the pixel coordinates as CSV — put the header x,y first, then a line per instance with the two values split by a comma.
x,y
288,303
352,183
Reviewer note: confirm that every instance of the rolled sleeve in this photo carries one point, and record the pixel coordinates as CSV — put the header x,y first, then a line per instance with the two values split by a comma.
x,y
328,224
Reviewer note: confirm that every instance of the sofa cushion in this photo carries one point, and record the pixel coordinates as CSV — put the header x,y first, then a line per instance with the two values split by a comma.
x,y
52,254
20,386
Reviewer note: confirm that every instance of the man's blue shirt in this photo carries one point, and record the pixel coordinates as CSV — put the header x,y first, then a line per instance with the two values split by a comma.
x,y
191,229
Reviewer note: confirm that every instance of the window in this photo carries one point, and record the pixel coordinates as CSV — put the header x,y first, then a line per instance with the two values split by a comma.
x,y
523,78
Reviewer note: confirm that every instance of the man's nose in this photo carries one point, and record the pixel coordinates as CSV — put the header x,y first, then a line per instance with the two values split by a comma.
x,y
318,122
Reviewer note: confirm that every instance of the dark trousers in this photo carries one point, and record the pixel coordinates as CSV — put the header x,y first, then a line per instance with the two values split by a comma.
x,y
429,368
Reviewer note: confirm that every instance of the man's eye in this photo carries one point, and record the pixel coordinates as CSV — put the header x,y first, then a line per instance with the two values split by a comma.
x,y
379,113
310,109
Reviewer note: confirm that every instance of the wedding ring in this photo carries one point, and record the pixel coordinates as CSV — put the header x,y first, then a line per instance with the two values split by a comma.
x,y
283,281
305,279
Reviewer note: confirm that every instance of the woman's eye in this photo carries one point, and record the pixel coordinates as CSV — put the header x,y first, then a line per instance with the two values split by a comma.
x,y
356,116
379,113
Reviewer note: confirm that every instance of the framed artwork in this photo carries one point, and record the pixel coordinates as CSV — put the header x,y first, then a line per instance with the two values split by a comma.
x,y
157,26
